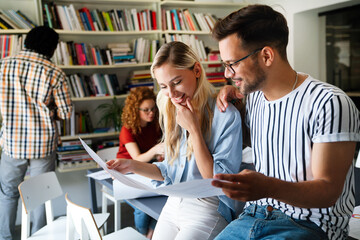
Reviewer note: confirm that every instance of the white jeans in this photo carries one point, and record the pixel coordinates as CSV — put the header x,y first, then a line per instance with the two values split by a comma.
x,y
189,218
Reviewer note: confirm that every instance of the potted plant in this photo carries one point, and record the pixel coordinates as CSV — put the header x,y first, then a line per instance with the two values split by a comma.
x,y
111,114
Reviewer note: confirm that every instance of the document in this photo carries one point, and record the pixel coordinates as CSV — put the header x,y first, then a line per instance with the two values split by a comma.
x,y
100,175
199,188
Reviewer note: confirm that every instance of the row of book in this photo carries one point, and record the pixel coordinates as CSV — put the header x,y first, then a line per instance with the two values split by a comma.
x,y
71,53
184,20
71,154
79,123
140,78
68,18
96,84
197,45
10,44
11,19
215,75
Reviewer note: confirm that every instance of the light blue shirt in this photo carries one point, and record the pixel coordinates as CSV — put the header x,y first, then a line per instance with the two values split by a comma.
x,y
225,146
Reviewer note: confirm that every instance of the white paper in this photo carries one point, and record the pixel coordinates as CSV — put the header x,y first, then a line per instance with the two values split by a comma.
x,y
199,188
99,175
354,223
122,191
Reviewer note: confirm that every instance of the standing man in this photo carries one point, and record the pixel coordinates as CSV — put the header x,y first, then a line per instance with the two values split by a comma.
x,y
33,93
303,136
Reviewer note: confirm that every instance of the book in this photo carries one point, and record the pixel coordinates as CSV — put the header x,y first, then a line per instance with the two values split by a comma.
x,y
26,19
48,16
63,19
16,18
153,20
88,18
8,20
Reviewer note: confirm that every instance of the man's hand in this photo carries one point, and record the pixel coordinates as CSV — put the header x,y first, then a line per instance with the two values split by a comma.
x,y
245,186
226,94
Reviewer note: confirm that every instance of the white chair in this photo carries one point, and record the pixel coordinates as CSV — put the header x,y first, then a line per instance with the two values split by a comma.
x,y
36,191
107,194
81,221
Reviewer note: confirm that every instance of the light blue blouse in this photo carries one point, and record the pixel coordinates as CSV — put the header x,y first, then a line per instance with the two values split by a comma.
x,y
225,146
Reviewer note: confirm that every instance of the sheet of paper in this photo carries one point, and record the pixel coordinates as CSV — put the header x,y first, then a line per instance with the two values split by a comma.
x,y
354,223
100,175
199,188
122,191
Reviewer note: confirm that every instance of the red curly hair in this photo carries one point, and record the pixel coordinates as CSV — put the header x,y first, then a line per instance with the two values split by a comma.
x,y
130,116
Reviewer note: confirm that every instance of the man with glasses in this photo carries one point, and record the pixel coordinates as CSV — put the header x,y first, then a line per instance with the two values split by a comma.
x,y
303,136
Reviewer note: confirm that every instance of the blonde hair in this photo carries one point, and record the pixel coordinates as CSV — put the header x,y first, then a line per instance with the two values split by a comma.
x,y
181,56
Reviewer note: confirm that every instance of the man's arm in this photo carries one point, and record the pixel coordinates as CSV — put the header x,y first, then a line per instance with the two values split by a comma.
x,y
330,165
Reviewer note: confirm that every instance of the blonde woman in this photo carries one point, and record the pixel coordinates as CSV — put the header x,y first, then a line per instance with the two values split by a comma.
x,y
199,142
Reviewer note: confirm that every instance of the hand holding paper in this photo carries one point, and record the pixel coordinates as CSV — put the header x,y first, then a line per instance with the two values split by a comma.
x,y
199,188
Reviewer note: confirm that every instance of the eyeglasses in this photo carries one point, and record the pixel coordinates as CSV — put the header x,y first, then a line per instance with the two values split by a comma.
x,y
230,66
148,110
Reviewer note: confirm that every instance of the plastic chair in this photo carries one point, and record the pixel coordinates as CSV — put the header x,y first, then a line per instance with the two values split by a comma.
x,y
107,194
81,221
36,191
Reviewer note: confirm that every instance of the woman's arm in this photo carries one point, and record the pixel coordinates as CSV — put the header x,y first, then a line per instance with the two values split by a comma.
x,y
128,165
134,151
187,119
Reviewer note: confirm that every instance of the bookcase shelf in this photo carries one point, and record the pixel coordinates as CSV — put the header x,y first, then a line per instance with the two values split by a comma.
x,y
109,2
13,31
90,136
101,38
84,99
106,33
199,4
114,66
186,32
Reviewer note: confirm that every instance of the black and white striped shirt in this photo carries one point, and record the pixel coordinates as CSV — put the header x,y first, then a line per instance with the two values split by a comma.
x,y
282,134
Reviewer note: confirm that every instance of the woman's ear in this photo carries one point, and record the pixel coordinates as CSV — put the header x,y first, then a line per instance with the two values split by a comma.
x,y
197,70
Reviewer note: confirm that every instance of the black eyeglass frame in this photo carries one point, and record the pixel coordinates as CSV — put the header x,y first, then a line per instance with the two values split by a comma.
x,y
229,67
148,110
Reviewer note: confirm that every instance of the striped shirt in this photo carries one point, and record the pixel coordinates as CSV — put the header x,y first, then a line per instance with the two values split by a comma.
x,y
32,89
282,134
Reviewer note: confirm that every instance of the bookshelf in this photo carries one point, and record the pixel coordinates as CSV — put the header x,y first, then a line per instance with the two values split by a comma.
x,y
34,10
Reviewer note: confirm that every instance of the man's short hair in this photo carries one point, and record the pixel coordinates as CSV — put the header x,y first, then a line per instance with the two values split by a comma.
x,y
257,26
42,40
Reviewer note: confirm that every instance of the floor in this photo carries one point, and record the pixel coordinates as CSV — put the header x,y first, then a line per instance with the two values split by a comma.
x,y
127,219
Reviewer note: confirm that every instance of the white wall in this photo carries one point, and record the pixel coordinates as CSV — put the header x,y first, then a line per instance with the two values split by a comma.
x,y
306,49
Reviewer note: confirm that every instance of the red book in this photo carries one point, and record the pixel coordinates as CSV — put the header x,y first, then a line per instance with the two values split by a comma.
x,y
93,53
173,21
91,21
215,74
153,17
139,21
80,54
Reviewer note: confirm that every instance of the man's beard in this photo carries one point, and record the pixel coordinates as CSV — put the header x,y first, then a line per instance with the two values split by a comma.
x,y
259,80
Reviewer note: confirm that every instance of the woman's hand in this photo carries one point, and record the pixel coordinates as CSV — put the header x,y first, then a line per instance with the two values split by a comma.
x,y
122,165
186,117
159,149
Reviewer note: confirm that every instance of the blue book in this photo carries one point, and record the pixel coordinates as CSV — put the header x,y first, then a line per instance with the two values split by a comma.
x,y
87,23
123,57
84,21
176,19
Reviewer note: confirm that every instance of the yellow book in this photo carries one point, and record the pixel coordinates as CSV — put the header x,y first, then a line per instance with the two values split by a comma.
x,y
107,19
2,26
